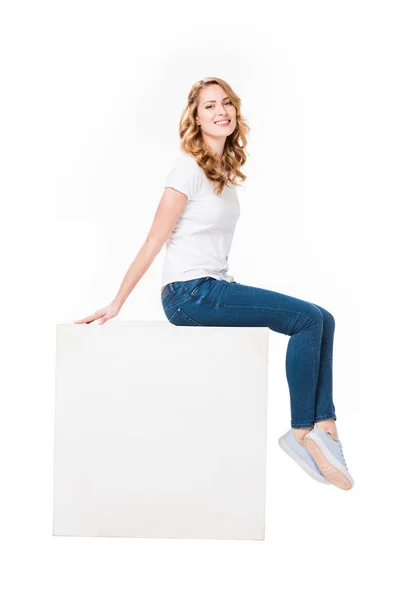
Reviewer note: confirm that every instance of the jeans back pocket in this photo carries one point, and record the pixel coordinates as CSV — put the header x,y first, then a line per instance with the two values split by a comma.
x,y
180,318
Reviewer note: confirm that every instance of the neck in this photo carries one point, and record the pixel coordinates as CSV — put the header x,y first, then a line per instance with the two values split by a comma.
x,y
216,145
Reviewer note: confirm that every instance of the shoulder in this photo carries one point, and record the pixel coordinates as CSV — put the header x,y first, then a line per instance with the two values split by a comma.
x,y
185,162
184,175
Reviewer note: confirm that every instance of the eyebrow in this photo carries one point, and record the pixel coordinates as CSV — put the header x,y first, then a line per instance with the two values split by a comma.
x,y
226,98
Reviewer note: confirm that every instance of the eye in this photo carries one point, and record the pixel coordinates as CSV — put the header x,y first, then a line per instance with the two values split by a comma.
x,y
210,106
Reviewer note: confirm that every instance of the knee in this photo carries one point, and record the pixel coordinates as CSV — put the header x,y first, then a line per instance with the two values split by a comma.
x,y
315,315
329,320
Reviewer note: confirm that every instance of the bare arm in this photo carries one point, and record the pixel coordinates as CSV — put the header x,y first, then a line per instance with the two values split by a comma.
x,y
168,212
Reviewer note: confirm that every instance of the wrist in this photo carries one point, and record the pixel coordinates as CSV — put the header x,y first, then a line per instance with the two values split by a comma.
x,y
118,302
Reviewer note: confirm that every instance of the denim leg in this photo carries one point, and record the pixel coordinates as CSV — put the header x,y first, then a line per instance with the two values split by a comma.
x,y
302,368
218,303
324,406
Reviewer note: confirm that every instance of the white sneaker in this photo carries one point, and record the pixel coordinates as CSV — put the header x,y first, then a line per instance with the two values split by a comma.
x,y
326,450
295,450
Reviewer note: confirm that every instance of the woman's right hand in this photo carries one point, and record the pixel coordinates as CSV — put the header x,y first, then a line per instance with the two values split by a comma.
x,y
104,314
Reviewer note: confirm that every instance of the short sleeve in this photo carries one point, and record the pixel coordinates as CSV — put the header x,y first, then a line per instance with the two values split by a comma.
x,y
185,177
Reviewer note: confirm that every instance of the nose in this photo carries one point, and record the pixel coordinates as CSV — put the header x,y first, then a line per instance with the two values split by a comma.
x,y
223,110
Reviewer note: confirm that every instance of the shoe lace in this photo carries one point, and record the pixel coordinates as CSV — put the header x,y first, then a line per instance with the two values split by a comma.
x,y
340,448
342,455
339,444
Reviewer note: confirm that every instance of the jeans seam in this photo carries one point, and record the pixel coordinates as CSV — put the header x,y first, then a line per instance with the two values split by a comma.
x,y
253,306
309,424
315,371
331,416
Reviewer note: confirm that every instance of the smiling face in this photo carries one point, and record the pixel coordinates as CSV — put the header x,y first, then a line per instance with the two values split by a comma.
x,y
215,105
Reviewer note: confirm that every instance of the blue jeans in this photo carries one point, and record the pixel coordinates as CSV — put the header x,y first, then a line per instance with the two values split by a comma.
x,y
209,302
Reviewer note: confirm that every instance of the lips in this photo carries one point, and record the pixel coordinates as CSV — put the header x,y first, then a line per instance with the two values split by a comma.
x,y
222,121
225,123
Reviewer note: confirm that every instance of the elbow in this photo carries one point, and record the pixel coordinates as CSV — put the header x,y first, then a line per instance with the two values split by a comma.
x,y
154,244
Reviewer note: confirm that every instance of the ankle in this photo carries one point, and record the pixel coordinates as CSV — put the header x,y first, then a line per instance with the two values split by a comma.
x,y
300,432
328,425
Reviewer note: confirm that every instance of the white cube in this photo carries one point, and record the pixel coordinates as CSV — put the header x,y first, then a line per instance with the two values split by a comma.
x,y
160,431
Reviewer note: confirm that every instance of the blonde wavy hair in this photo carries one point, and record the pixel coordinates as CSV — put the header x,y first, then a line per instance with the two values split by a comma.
x,y
227,168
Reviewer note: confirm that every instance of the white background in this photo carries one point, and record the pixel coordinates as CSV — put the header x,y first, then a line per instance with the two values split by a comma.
x,y
92,93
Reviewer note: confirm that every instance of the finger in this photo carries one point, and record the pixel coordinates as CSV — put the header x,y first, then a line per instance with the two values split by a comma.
x,y
85,320
89,319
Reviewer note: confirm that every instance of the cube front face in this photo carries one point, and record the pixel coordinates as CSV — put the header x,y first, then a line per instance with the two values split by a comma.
x,y
160,431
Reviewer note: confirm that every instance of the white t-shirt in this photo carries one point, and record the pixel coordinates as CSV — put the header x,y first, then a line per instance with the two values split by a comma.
x,y
202,237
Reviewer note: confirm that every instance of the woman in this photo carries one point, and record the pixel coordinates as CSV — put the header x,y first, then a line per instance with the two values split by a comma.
x,y
196,218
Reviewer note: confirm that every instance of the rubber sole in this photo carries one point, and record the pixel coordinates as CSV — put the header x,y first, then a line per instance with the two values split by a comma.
x,y
286,448
326,462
